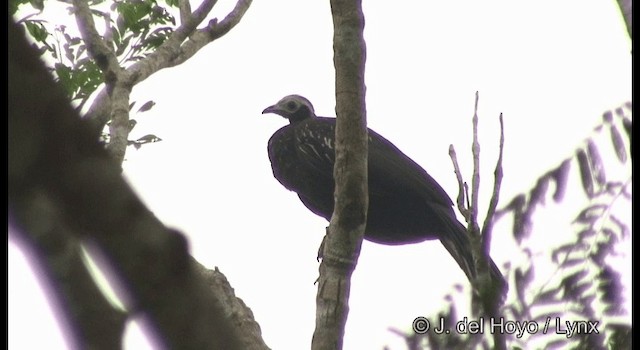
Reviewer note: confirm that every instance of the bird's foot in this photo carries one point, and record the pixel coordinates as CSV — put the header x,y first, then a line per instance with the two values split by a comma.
x,y
321,248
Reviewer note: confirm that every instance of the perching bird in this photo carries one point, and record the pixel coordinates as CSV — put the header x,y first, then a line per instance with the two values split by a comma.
x,y
406,205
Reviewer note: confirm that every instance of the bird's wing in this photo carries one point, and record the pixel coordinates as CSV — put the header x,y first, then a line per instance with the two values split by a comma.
x,y
387,164
389,168
315,146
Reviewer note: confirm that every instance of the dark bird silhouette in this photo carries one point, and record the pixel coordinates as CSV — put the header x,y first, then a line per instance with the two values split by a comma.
x,y
406,205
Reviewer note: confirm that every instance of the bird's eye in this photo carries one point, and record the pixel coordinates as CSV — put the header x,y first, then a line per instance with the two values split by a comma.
x,y
291,105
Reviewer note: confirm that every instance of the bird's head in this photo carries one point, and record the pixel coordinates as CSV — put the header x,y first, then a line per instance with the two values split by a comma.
x,y
293,107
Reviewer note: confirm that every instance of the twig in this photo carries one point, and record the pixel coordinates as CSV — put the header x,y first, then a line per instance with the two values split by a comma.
x,y
475,179
464,209
212,32
487,227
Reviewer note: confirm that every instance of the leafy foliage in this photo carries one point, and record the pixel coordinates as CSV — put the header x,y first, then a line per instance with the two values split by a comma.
x,y
585,291
138,28
141,26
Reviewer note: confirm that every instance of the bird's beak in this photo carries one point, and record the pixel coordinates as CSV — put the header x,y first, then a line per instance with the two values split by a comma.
x,y
271,109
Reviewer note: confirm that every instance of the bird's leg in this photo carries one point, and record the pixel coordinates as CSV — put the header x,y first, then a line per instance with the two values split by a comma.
x,y
321,249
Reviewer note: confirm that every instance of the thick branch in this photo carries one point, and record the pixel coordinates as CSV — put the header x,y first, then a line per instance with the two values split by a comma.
x,y
346,229
51,150
119,128
185,10
116,85
99,113
90,320
97,48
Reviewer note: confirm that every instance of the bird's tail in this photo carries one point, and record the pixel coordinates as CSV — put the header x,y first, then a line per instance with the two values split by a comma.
x,y
456,241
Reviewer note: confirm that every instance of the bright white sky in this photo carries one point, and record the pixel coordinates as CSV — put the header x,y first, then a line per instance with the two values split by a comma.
x,y
552,68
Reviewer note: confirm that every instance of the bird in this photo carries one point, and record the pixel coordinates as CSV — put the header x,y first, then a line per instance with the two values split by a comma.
x,y
406,205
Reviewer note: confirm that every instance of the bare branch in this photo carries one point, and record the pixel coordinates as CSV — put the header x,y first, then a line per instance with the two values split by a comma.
x,y
464,209
493,203
186,28
475,179
233,18
212,32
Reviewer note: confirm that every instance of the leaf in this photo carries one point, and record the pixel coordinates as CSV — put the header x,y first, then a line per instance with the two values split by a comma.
x,y
586,234
65,78
68,52
570,282
148,139
537,195
157,38
124,44
147,106
578,291
610,286
14,5
560,176
567,249
98,13
591,213
523,278
607,116
81,50
37,4
585,173
614,187
596,163
571,263
619,336
133,13
609,234
132,124
623,227
548,297
37,30
626,123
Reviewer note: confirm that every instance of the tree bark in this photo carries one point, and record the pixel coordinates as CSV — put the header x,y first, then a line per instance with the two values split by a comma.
x,y
346,229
